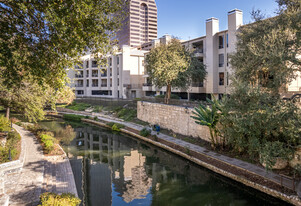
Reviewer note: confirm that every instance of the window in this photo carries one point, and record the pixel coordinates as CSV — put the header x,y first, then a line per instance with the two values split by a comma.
x,y
99,92
87,83
80,92
118,82
221,78
94,82
221,42
221,60
117,59
87,64
110,61
227,60
94,63
227,40
87,73
94,73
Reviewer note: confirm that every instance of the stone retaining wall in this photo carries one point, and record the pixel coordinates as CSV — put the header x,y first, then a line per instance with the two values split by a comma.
x,y
176,118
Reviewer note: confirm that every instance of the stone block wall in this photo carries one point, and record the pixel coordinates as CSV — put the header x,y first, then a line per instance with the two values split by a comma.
x,y
176,118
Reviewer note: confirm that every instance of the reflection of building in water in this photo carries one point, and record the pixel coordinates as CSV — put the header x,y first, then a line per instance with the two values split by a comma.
x,y
111,160
138,181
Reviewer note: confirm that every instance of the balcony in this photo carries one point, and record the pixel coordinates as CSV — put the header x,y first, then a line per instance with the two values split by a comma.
x,y
79,76
147,86
79,85
94,85
198,84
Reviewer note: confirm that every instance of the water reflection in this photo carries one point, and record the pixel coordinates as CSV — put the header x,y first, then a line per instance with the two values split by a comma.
x,y
113,169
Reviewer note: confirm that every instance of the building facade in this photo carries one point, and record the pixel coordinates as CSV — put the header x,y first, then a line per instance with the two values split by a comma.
x,y
122,78
140,25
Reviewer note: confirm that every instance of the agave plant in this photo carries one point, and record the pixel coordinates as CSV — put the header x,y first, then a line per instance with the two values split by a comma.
x,y
209,116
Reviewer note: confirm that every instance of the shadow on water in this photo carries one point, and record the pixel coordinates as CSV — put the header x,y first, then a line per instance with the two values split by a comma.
x,y
116,169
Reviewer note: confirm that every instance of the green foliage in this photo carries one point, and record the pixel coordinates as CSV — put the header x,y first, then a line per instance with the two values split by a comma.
x,y
172,65
98,108
115,126
126,114
270,151
96,118
73,117
65,199
145,132
209,116
48,142
78,106
4,124
172,96
13,140
65,95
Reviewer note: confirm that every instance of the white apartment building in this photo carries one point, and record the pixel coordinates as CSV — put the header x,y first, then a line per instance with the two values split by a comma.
x,y
213,50
121,78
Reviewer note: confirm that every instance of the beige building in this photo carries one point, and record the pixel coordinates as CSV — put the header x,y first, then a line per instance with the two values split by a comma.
x,y
122,78
213,50
140,26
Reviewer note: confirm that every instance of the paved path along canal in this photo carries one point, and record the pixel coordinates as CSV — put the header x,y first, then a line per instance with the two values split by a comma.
x,y
39,174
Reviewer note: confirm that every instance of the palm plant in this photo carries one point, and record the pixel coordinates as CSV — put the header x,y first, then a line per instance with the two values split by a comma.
x,y
209,116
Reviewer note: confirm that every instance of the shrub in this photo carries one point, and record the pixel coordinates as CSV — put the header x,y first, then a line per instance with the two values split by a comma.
x,y
98,108
145,132
96,118
13,140
111,124
78,106
4,124
73,117
65,199
48,142
127,114
115,128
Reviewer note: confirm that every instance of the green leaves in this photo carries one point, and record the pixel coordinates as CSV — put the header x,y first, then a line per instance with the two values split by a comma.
x,y
171,64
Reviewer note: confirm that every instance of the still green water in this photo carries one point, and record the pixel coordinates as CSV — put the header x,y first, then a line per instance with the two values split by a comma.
x,y
116,169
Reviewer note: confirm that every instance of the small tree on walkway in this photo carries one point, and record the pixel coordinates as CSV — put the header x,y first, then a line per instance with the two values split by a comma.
x,y
173,66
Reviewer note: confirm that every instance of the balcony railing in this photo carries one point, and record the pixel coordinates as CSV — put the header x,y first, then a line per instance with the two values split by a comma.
x,y
79,76
104,85
79,85
198,50
199,84
94,85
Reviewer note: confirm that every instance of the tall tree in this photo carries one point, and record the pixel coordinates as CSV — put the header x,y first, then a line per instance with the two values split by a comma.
x,y
256,119
173,66
39,39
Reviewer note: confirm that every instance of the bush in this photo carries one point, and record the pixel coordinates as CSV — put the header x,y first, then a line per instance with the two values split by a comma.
x,y
78,106
115,126
96,118
145,132
73,117
98,108
4,124
65,199
13,140
48,142
127,114
172,96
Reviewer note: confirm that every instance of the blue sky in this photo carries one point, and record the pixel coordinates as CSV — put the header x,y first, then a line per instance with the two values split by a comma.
x,y
186,18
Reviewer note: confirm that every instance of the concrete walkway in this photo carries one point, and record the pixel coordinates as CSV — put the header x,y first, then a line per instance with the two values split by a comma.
x,y
25,187
288,183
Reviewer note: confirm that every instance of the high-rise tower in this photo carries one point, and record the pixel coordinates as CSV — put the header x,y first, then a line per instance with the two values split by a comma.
x,y
140,26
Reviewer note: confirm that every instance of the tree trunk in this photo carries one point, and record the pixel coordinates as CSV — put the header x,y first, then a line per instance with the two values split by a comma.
x,y
7,112
168,93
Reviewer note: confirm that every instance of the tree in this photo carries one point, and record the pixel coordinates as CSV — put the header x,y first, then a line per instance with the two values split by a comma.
x,y
171,65
256,119
209,116
39,39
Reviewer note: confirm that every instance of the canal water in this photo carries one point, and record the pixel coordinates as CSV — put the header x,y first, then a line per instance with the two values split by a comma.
x,y
116,169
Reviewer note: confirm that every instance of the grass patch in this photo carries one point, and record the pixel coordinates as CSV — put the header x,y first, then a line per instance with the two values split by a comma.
x,y
13,144
65,199
126,114
145,132
73,117
78,106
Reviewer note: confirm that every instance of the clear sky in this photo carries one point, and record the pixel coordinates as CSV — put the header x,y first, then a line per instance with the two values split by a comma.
x,y
186,18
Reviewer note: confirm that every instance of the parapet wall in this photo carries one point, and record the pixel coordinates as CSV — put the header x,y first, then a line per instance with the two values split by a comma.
x,y
176,118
